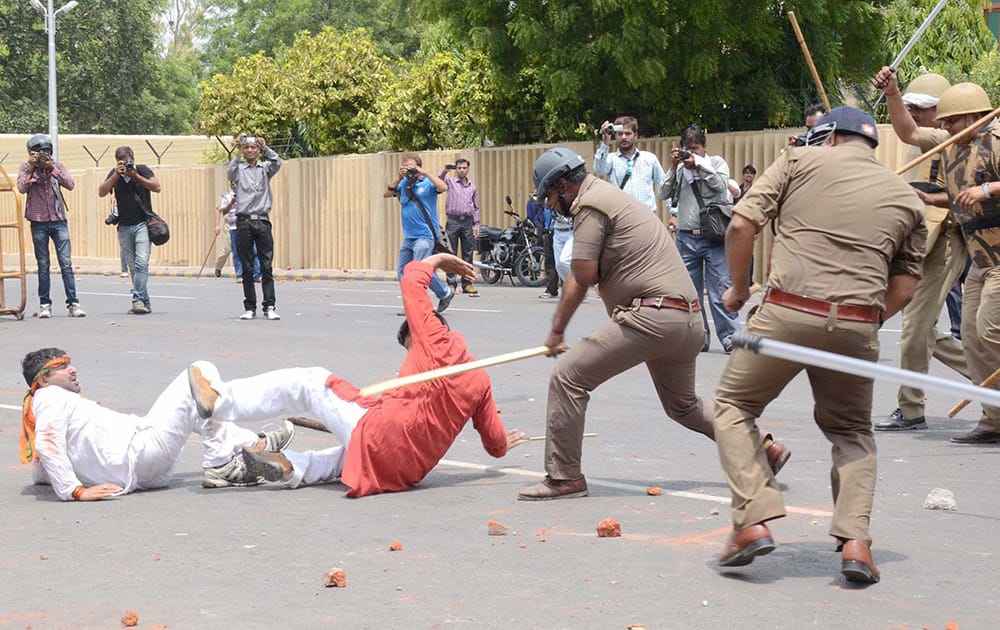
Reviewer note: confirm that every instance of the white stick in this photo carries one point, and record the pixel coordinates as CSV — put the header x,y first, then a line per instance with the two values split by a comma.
x,y
452,370
859,367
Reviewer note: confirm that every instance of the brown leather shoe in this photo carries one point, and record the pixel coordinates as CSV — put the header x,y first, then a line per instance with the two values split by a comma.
x,y
777,455
270,466
549,488
746,544
202,392
856,563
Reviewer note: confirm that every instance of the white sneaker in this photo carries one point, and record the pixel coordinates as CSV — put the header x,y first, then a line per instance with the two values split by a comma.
x,y
270,313
277,437
233,473
76,311
45,311
248,315
123,274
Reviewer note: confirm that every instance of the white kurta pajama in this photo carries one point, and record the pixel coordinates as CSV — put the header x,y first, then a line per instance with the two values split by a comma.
x,y
294,391
80,443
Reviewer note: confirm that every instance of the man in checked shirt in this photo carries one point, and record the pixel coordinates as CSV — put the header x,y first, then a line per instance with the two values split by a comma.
x,y
638,173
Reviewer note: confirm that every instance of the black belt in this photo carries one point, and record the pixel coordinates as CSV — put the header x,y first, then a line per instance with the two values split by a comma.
x,y
692,232
981,223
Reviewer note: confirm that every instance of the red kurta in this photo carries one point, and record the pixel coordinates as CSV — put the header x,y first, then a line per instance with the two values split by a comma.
x,y
407,431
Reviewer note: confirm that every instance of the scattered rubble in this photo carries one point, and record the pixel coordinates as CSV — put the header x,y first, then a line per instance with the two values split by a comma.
x,y
496,528
130,619
609,528
654,491
335,577
940,499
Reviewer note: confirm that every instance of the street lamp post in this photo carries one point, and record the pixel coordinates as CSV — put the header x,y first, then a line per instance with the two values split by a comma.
x,y
50,28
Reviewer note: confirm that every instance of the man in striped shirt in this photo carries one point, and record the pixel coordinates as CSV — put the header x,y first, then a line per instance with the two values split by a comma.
x,y
462,210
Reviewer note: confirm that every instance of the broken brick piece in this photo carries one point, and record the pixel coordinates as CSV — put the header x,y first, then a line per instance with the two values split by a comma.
x,y
335,578
396,546
609,528
496,528
654,491
130,618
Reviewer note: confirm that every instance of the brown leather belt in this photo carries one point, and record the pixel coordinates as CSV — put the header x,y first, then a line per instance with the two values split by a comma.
x,y
813,306
666,302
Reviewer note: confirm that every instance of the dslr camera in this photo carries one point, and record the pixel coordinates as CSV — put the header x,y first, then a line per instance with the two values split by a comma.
x,y
43,158
112,219
129,166
683,154
248,139
411,172
450,167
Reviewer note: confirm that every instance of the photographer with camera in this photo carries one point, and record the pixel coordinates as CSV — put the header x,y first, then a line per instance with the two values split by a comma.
x,y
417,190
636,172
42,180
253,224
697,180
132,184
811,114
461,210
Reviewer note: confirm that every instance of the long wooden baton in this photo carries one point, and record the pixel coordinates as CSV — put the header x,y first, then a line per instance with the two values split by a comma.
x,y
989,382
859,367
809,59
962,135
452,370
205,262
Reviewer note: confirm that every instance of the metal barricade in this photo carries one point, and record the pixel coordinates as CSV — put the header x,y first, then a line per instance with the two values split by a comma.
x,y
10,224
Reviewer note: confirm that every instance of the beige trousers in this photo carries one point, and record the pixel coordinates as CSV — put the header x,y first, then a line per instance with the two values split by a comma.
x,y
920,339
981,332
668,341
842,411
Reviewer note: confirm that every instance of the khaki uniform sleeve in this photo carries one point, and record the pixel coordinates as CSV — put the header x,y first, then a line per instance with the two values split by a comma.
x,y
761,203
589,230
930,138
909,258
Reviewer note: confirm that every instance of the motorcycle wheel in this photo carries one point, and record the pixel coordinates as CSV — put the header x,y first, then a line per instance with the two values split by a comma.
x,y
489,275
529,267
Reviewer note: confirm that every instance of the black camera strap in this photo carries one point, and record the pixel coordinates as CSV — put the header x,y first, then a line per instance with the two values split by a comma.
x,y
427,217
631,164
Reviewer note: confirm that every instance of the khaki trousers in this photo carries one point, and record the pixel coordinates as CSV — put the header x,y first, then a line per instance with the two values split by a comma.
x,y
842,411
920,338
668,341
981,332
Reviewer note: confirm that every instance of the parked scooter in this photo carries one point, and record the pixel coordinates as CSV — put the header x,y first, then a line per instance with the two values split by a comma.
x,y
514,251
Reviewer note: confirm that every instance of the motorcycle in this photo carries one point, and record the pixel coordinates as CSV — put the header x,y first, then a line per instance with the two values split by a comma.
x,y
514,251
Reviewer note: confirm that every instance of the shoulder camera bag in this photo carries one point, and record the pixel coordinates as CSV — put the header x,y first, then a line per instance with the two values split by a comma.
x,y
714,217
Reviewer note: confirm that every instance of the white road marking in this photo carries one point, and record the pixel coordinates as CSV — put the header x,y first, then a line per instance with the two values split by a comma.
x,y
128,295
400,306
343,290
681,494
11,407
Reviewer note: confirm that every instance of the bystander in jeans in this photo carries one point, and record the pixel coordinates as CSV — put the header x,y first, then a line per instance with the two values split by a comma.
x,y
225,219
461,210
132,184
42,179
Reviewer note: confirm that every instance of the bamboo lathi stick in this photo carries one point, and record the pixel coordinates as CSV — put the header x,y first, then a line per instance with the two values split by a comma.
x,y
989,382
452,370
809,60
962,135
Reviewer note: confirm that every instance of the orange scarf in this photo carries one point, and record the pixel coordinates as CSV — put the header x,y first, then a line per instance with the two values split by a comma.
x,y
28,453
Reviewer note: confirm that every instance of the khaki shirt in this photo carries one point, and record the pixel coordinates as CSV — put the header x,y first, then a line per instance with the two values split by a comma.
x,y
965,166
845,223
635,254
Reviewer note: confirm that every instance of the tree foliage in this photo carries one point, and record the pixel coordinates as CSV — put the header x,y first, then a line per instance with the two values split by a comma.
x,y
735,65
109,76
957,43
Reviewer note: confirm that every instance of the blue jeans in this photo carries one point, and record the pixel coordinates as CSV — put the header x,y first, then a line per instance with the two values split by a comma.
x,y
707,262
418,249
237,264
58,231
134,241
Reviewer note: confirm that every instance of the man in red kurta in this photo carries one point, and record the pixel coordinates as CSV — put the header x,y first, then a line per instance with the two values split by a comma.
x,y
390,442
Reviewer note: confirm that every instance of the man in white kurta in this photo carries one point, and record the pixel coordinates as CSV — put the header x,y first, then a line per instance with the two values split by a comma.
x,y
89,452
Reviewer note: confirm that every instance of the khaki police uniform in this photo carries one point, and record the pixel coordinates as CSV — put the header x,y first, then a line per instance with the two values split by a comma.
x,y
844,223
944,261
967,165
636,259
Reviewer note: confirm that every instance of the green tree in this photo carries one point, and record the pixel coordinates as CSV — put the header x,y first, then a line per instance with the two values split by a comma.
x,y
110,77
957,43
571,64
239,28
323,90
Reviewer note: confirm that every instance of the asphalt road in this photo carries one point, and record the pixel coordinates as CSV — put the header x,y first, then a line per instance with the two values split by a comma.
x,y
186,557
